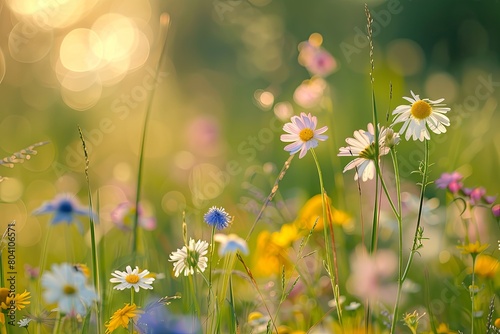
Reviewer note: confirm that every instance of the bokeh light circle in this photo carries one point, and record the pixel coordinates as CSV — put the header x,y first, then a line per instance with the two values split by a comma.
x,y
443,83
405,57
82,99
81,50
29,43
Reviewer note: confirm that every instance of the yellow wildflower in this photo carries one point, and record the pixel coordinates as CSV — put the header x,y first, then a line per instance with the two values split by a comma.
x,y
272,250
486,266
473,248
20,300
444,329
313,210
122,317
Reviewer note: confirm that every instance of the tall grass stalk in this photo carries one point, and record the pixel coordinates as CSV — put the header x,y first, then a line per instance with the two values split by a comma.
x,y
164,22
95,258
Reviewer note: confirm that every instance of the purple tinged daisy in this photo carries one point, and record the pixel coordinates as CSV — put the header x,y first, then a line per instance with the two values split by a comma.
x,y
422,113
217,217
301,131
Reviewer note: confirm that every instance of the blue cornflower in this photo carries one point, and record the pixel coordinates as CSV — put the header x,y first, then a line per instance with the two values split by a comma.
x,y
64,207
230,244
217,217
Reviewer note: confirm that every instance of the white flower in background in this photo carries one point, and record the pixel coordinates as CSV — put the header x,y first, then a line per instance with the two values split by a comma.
x,y
68,288
422,113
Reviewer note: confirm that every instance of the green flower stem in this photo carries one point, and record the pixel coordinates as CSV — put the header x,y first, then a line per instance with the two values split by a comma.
x,y
210,260
131,323
192,287
472,292
58,323
419,217
400,238
328,246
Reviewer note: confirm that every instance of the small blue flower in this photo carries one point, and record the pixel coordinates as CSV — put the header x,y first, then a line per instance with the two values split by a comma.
x,y
230,244
64,207
217,217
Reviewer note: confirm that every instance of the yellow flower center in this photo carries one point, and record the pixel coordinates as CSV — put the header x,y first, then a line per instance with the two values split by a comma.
x,y
421,109
69,289
306,134
132,279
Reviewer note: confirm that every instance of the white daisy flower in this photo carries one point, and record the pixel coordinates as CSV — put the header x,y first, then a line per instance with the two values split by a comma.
x,y
303,134
362,146
132,279
420,113
68,288
191,258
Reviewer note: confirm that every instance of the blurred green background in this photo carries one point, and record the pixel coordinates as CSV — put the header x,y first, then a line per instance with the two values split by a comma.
x,y
213,135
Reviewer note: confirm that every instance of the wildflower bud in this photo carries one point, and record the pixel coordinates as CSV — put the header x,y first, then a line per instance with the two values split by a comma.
x,y
391,138
496,211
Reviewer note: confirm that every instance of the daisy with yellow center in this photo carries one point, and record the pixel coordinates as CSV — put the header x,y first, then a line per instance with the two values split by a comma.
x,y
302,134
422,113
122,317
132,279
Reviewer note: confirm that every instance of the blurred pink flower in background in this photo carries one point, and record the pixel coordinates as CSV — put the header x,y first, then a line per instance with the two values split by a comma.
x,y
373,275
123,217
315,58
496,210
203,136
450,181
310,92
